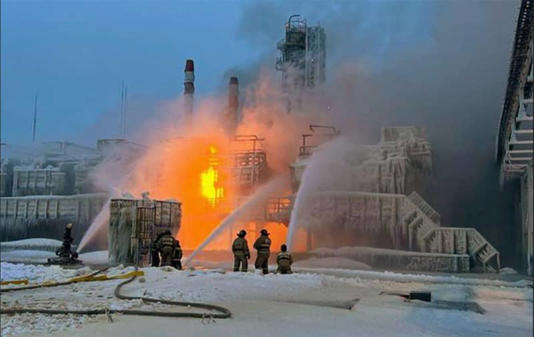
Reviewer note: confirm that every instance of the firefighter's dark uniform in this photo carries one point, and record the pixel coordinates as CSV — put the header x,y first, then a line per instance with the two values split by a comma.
x,y
65,250
284,261
166,247
177,256
241,253
263,245
154,250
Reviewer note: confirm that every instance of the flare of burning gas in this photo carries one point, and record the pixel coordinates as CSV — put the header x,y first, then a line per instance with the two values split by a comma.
x,y
196,168
210,179
193,171
260,195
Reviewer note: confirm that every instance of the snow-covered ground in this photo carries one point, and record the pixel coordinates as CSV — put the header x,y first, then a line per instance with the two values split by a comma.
x,y
32,255
34,273
26,255
301,304
36,250
331,262
33,244
94,258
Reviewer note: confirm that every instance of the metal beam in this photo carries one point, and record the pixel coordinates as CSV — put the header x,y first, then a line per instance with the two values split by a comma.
x,y
520,142
518,159
523,132
520,151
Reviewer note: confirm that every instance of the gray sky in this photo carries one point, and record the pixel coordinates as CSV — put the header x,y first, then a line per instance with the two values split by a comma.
x,y
431,63
76,53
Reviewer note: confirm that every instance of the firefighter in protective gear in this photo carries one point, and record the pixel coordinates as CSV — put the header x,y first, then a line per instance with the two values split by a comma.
x,y
65,250
177,256
241,252
263,246
166,245
284,261
64,253
67,240
154,250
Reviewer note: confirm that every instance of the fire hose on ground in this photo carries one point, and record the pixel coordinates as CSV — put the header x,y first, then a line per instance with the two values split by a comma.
x,y
221,312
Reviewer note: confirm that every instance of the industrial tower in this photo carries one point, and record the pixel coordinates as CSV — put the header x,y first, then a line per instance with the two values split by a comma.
x,y
303,58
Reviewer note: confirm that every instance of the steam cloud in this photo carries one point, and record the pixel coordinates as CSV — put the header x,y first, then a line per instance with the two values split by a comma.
x,y
440,65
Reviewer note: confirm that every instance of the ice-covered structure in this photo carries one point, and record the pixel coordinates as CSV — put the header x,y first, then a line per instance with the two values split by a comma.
x,y
373,199
515,138
400,163
45,216
48,185
135,223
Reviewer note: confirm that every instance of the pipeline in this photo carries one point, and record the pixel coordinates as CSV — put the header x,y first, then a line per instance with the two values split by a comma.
x,y
222,311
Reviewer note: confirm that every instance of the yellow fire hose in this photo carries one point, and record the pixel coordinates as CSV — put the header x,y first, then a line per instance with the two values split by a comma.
x,y
215,311
50,283
3,283
77,279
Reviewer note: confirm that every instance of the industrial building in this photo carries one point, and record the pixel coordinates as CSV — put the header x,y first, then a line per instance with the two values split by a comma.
x,y
49,185
377,210
379,206
514,148
303,59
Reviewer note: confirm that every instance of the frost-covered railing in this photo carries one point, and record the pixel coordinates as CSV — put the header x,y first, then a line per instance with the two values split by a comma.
x,y
408,221
460,240
425,207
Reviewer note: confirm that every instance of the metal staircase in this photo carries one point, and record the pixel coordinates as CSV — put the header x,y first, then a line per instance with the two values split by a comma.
x,y
424,207
412,223
425,235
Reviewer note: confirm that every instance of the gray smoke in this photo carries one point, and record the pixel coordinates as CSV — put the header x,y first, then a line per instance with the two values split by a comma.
x,y
441,65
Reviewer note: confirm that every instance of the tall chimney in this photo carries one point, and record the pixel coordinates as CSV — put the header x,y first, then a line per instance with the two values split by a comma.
x,y
231,117
189,90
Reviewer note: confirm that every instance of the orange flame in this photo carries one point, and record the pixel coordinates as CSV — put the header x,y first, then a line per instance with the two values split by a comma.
x,y
193,170
209,179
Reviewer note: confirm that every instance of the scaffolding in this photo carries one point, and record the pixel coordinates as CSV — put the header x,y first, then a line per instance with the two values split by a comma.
x,y
249,163
303,58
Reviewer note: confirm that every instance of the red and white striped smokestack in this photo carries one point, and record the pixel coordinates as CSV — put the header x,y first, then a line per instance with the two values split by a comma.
x,y
233,105
189,90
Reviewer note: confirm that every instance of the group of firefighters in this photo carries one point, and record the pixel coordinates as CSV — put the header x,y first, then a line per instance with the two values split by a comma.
x,y
166,251
263,246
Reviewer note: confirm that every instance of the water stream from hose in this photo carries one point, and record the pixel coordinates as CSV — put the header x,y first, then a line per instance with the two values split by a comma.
x,y
297,208
262,194
97,226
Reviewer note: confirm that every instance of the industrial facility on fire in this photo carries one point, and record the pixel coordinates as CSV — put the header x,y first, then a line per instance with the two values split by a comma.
x,y
380,207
